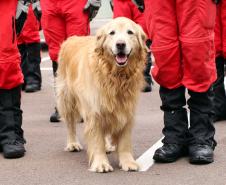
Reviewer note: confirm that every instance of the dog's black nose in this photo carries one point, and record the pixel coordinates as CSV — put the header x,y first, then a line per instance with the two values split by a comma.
x,y
120,45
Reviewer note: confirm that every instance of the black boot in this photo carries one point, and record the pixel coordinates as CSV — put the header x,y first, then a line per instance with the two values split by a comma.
x,y
11,133
201,132
219,92
175,125
55,117
200,154
31,66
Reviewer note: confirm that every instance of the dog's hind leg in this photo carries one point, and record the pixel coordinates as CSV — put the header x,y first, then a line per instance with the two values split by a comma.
x,y
109,147
67,107
73,144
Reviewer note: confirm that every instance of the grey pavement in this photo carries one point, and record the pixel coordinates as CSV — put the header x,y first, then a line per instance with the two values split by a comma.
x,y
46,162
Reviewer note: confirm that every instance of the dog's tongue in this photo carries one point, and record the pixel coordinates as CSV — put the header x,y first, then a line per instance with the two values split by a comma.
x,y
121,59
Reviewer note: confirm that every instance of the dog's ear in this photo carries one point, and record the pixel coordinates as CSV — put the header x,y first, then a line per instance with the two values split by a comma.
x,y
142,38
100,38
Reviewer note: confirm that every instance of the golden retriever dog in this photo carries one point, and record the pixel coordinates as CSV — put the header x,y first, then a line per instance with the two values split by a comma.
x,y
99,79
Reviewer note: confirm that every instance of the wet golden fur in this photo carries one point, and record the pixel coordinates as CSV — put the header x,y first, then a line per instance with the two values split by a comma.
x,y
91,86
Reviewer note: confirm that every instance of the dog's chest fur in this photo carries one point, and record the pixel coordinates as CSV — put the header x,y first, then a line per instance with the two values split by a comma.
x,y
117,94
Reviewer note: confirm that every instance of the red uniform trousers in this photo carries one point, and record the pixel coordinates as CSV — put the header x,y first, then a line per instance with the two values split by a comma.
x,y
30,31
62,19
220,30
183,42
10,72
126,8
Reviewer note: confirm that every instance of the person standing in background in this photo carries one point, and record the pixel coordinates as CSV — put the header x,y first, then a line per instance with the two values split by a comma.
x,y
11,133
62,19
131,10
182,34
30,50
220,46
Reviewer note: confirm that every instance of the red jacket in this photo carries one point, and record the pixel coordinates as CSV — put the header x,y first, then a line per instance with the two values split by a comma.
x,y
30,31
220,30
126,8
10,71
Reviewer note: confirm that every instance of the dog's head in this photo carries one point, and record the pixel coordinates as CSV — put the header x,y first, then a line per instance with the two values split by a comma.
x,y
119,40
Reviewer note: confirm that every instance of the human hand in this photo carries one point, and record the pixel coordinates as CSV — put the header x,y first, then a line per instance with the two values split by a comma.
x,y
139,4
92,8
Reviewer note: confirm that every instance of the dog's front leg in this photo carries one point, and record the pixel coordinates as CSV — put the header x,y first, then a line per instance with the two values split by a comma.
x,y
96,148
126,160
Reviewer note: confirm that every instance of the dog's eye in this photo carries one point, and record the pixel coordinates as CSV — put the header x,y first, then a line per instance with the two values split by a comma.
x,y
130,32
112,33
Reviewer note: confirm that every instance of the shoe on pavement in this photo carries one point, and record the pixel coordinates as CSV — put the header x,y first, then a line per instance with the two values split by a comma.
x,y
32,88
13,150
55,117
201,154
169,153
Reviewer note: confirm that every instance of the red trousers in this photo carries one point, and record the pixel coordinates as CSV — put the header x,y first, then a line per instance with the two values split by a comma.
x,y
10,71
30,31
220,30
62,19
126,8
182,34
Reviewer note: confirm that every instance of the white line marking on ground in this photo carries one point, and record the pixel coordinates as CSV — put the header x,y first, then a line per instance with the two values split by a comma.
x,y
146,159
45,59
46,68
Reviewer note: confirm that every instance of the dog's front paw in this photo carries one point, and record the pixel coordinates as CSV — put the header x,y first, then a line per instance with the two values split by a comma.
x,y
101,167
129,165
74,147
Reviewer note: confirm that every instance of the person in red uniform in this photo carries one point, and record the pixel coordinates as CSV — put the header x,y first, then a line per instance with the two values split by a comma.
x,y
29,46
182,34
62,19
130,9
11,78
220,45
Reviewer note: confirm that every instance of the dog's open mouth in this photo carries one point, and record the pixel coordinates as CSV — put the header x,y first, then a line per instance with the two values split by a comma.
x,y
121,59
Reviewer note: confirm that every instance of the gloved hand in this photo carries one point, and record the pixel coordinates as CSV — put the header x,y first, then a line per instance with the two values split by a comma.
x,y
139,4
21,14
92,7
216,1
37,9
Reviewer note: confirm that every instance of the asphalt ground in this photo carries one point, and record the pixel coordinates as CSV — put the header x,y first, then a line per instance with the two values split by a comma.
x,y
46,162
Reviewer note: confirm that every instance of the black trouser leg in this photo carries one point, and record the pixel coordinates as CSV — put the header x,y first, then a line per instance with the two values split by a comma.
x,y
10,116
33,64
23,52
147,76
219,91
201,129
55,117
175,115
55,67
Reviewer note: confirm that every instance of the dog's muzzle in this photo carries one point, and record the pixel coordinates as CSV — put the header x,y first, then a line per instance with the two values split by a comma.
x,y
121,57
